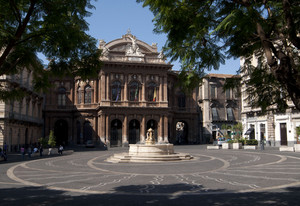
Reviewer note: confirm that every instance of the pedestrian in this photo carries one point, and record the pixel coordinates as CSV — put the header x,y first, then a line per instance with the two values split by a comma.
x,y
3,155
5,148
23,152
41,150
29,151
60,149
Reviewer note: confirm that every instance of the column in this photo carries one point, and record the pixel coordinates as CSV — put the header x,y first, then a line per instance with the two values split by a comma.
x,y
107,130
160,130
124,131
160,90
101,128
166,129
143,128
95,91
102,87
143,88
165,99
107,87
125,88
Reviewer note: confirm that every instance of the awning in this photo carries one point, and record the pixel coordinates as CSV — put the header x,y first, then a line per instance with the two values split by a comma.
x,y
248,132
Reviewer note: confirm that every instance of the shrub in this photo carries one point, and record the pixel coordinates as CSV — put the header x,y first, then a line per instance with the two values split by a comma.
x,y
251,142
51,141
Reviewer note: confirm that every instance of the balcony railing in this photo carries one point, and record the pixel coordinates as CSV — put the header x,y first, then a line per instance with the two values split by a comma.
x,y
24,118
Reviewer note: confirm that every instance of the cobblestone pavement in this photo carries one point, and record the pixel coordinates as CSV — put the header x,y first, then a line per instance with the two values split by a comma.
x,y
213,177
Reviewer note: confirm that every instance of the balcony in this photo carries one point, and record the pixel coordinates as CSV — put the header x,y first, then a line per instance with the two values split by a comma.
x,y
24,118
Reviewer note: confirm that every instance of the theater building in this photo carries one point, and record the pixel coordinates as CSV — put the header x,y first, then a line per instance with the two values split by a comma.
x,y
134,91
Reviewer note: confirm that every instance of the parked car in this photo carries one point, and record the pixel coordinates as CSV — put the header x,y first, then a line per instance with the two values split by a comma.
x,y
219,141
89,143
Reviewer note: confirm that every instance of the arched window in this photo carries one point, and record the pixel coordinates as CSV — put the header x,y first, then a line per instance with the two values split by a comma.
x,y
152,92
88,94
61,96
79,95
134,91
116,91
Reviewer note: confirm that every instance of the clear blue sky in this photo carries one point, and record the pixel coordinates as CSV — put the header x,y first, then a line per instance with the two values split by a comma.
x,y
112,18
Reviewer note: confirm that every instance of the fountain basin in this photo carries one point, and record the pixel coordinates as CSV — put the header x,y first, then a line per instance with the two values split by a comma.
x,y
149,153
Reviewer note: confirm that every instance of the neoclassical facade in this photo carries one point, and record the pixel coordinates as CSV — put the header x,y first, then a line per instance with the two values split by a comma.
x,y
275,128
21,121
218,107
134,91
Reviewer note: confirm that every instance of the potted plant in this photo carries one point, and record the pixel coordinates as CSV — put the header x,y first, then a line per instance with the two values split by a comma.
x,y
51,142
237,144
251,144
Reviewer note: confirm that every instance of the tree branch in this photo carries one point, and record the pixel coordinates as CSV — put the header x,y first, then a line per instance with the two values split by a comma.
x,y
290,23
20,30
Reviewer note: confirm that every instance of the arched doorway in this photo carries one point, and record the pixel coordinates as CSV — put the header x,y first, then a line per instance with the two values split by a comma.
x,y
61,132
182,132
153,125
116,133
134,131
78,133
87,131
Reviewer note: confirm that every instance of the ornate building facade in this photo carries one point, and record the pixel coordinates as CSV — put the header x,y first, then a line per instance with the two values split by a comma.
x,y
218,108
134,91
21,122
273,127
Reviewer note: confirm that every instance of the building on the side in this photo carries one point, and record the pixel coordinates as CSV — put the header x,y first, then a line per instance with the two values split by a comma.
x,y
134,91
218,108
276,129
21,121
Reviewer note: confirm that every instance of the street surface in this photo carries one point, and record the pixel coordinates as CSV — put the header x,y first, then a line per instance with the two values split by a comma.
x,y
213,177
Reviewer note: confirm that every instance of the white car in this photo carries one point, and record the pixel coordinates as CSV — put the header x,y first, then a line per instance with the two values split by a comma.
x,y
219,141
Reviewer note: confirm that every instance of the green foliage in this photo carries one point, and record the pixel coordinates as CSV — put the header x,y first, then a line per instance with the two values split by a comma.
x,y
43,141
51,141
202,34
54,28
251,142
298,131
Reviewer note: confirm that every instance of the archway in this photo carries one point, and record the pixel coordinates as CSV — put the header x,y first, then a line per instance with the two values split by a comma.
x,y
61,132
87,131
182,132
134,131
116,133
153,125
78,133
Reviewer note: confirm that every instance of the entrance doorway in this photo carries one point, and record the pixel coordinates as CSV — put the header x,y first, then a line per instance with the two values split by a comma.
x,y
134,131
116,133
61,132
283,134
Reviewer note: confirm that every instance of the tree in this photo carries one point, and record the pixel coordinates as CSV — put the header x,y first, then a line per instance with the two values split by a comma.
x,y
53,28
202,34
51,141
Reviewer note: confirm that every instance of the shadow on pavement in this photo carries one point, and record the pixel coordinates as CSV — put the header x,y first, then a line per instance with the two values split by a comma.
x,y
125,195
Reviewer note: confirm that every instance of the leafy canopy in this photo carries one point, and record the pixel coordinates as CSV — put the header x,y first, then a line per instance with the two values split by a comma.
x,y
203,34
53,28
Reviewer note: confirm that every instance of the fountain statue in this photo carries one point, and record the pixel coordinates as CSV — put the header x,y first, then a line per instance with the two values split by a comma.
x,y
149,152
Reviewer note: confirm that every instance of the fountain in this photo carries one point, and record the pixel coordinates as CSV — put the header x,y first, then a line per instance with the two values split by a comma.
x,y
149,152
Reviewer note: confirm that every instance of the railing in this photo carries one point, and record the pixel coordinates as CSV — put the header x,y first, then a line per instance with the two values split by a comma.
x,y
25,118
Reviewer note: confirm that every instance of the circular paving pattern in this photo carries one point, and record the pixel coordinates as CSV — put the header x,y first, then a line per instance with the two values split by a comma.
x,y
210,172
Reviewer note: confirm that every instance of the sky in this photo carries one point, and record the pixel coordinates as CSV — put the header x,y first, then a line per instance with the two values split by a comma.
x,y
112,18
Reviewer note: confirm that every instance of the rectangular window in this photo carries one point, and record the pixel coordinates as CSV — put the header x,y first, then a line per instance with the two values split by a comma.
x,y
215,115
230,115
213,91
228,95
